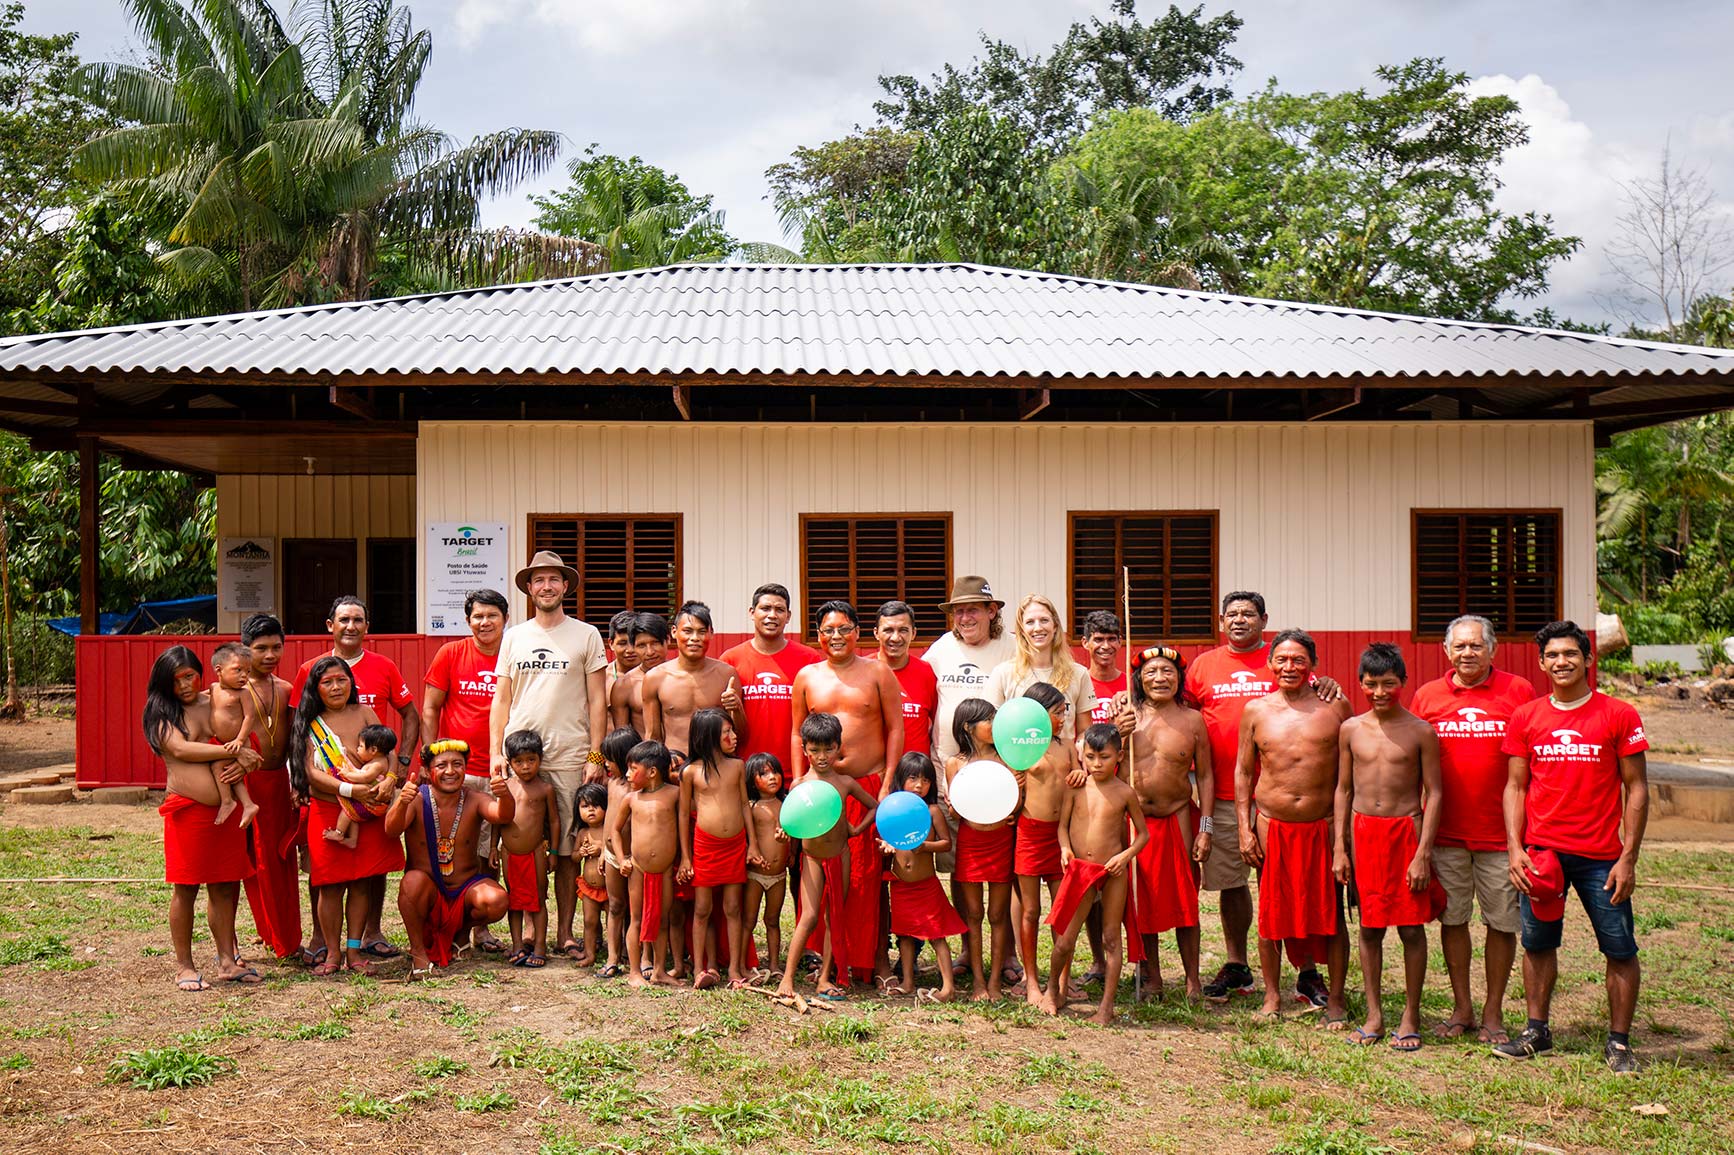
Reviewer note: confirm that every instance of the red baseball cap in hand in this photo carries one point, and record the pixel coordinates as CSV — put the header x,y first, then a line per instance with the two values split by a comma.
x,y
1546,886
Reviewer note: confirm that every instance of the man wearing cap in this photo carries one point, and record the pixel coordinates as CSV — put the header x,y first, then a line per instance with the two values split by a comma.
x,y
549,678
1469,709
1576,804
964,657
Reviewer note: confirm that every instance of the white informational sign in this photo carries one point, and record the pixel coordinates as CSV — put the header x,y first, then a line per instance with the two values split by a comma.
x,y
462,556
247,575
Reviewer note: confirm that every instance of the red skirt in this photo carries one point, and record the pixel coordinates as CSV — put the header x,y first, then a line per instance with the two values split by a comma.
x,y
1081,878
984,855
274,890
1167,888
1297,893
523,883
1383,849
334,863
445,919
858,937
718,861
650,907
921,910
196,850
1038,848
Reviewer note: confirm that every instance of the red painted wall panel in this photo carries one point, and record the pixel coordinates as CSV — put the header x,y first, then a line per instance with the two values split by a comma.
x,y
112,671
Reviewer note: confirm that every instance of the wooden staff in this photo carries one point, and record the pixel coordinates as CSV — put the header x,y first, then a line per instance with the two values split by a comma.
x,y
1131,776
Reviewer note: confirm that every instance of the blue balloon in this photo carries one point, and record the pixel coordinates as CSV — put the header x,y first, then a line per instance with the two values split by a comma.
x,y
903,820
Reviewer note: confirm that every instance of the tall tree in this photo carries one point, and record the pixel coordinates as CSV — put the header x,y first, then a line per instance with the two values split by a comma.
x,y
1673,242
638,214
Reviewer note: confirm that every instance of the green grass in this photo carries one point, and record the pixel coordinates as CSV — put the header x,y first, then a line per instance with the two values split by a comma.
x,y
440,1067
32,948
485,1102
363,1105
166,1067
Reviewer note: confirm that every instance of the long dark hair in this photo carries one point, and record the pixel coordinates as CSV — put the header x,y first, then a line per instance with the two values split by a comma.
x,y
162,705
968,713
704,739
309,708
916,765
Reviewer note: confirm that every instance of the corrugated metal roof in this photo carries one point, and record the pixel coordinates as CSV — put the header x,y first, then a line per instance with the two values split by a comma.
x,y
877,320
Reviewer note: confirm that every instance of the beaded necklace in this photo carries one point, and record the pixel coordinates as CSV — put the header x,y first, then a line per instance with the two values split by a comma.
x,y
446,844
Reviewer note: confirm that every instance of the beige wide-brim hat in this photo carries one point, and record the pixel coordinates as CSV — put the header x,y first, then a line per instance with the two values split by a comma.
x,y
971,588
545,559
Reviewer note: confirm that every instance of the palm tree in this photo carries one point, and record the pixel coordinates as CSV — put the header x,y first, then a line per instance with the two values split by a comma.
x,y
1138,229
641,216
1647,471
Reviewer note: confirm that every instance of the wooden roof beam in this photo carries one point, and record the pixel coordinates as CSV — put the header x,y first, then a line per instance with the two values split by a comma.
x,y
1032,402
353,401
683,401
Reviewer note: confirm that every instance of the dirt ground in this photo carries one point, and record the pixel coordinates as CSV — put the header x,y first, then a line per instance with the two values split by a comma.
x,y
42,740
1690,732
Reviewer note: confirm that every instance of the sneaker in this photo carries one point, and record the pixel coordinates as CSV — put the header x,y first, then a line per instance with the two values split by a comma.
x,y
1232,979
1529,1043
1310,989
1622,1060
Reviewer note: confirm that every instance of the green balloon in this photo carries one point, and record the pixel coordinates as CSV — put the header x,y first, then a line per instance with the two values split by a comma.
x,y
1021,733
811,809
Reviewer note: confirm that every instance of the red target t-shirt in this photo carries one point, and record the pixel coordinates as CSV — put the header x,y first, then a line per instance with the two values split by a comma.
x,y
767,690
378,683
920,687
1105,691
466,676
1220,683
1471,724
1574,802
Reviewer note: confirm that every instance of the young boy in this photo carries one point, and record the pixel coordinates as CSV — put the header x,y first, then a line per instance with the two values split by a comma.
x,y
1037,857
1170,744
651,811
1388,767
615,749
825,866
232,720
717,840
370,762
524,849
1093,824
626,695
592,876
620,644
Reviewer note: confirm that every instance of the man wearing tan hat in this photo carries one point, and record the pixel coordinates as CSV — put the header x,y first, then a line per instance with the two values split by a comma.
x,y
966,655
549,678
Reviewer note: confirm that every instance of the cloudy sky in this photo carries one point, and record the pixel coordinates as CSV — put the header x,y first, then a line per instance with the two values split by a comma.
x,y
718,90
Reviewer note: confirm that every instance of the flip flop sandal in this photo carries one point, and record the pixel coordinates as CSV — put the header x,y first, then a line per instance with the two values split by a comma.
x,y
367,969
572,948
1361,1037
1413,1040
247,978
517,957
312,958
491,946
1450,1030
740,984
1492,1037
325,969
893,988
193,985
611,971
831,996
417,975
534,961
380,949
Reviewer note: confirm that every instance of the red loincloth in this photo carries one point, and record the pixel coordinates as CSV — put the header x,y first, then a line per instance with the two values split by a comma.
x,y
1080,879
595,893
1383,848
718,861
196,850
1167,889
1297,893
445,919
859,939
523,883
984,855
274,890
921,910
1038,848
333,863
650,910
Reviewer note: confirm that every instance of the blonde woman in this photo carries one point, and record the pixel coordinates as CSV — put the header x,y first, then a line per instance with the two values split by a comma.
x,y
1043,655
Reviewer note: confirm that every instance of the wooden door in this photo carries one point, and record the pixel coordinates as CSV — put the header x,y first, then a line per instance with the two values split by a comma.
x,y
316,572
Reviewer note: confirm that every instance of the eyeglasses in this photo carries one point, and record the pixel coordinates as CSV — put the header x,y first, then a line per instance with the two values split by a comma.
x,y
837,631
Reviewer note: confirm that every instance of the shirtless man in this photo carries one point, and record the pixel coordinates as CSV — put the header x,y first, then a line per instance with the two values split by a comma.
x,y
623,646
675,690
444,893
866,698
626,697
1291,734
271,891
196,850
1171,744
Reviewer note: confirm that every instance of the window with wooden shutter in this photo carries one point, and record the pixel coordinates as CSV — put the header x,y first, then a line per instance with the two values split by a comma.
x,y
868,559
1172,558
624,562
1502,564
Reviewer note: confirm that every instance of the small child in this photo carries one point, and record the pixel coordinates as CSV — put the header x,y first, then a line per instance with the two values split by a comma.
x,y
524,848
232,720
592,877
370,762
825,862
1037,858
770,881
984,855
1388,770
919,910
717,841
1093,825
615,749
651,813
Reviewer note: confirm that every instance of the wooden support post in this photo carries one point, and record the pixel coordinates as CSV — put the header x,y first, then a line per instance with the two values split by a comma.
x,y
683,401
89,539
354,401
1032,402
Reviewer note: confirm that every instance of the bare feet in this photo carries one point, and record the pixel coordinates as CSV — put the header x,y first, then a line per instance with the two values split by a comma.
x,y
1104,1017
248,813
225,809
636,978
664,979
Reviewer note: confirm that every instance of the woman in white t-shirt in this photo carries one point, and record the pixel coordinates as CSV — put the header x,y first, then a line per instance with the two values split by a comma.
x,y
1043,655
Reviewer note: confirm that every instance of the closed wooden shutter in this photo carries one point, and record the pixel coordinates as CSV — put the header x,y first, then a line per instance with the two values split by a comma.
x,y
1172,559
630,562
1501,564
870,559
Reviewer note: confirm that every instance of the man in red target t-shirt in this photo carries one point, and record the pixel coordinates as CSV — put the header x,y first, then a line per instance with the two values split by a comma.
x,y
894,626
767,664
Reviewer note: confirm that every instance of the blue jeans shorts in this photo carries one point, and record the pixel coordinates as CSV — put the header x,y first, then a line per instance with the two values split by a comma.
x,y
1612,924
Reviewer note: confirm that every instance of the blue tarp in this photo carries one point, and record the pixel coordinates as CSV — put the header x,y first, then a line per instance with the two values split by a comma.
x,y
148,616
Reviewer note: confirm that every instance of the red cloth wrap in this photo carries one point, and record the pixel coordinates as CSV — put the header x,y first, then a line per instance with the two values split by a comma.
x,y
334,863
718,861
1383,848
1167,888
593,893
196,850
445,919
1080,879
274,890
984,855
921,910
858,938
1038,848
523,883
1297,893
650,908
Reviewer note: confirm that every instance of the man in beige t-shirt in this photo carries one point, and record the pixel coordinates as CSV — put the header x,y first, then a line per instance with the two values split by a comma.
x,y
549,678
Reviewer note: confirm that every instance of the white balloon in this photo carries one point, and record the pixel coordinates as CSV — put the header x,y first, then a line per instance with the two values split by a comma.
x,y
984,792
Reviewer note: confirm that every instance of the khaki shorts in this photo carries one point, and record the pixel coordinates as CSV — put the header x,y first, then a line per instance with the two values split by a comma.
x,y
1224,868
485,832
566,784
1472,877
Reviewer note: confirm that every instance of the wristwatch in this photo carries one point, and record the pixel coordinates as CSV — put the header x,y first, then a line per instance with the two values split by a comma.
x,y
403,759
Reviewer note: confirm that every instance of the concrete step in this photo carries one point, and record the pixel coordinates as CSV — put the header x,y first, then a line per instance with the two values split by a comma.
x,y
119,795
43,795
1697,802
